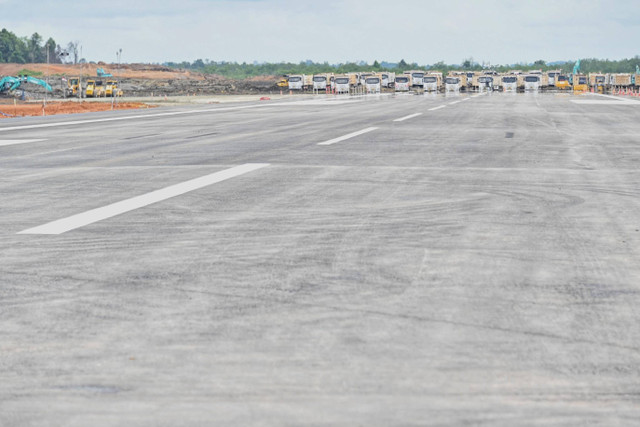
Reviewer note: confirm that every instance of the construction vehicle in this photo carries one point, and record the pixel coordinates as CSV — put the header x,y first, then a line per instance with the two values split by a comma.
x,y
432,82
322,81
9,84
342,83
509,83
620,80
74,88
562,82
388,79
417,78
460,75
482,83
452,84
101,73
552,76
531,83
598,82
373,84
296,82
580,83
283,82
112,89
94,89
403,83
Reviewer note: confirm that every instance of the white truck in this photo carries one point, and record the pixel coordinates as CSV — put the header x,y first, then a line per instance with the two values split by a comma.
x,y
321,82
417,78
343,84
509,83
553,75
403,83
482,83
431,83
532,83
452,84
373,84
296,82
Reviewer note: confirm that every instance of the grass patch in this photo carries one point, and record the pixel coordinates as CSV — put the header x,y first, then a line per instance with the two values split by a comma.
x,y
26,72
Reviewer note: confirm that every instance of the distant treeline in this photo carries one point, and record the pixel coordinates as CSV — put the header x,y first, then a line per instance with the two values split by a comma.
x,y
34,49
244,70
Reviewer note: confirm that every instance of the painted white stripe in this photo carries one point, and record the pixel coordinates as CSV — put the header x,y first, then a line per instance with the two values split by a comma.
x,y
466,99
115,119
99,214
5,142
437,108
349,136
410,116
454,103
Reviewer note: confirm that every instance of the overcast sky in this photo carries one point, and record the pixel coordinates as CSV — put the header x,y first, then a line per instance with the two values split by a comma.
x,y
494,31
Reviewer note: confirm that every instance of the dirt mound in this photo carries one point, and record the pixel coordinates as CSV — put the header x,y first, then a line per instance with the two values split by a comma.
x,y
144,79
52,108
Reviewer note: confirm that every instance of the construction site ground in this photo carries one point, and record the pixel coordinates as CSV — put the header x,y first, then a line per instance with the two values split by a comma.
x,y
144,80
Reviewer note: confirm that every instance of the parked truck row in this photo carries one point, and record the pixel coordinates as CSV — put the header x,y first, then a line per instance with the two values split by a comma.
x,y
433,81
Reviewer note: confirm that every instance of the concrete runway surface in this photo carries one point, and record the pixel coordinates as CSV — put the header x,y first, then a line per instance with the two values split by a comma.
x,y
391,260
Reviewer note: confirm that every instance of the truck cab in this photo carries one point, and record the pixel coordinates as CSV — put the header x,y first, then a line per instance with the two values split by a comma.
x,y
532,83
452,84
485,83
562,82
373,84
580,83
342,84
296,82
403,83
510,83
430,83
320,82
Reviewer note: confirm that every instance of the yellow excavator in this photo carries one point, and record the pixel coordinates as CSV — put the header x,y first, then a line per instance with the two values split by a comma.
x,y
283,82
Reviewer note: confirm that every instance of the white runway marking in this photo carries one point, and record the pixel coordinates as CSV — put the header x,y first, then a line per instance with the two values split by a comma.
x,y
437,108
455,102
410,116
466,99
349,136
99,214
5,142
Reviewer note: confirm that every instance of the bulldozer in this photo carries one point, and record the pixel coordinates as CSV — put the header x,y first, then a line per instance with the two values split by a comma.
x,y
73,87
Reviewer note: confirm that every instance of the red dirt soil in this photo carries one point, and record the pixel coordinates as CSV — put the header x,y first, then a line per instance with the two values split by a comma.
x,y
129,71
52,108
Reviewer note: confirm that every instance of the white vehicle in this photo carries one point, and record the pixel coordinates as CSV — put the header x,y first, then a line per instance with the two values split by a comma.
x,y
430,83
373,84
384,79
417,78
363,78
552,77
296,82
403,83
452,84
320,82
531,83
485,83
342,84
510,83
